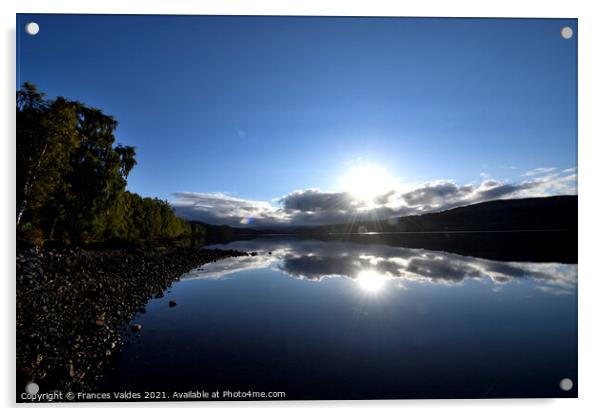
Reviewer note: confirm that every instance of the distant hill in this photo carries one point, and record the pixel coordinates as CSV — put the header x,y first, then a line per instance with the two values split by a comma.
x,y
549,213
555,218
225,233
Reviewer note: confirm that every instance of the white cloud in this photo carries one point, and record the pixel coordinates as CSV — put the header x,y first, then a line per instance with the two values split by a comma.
x,y
219,208
538,171
315,207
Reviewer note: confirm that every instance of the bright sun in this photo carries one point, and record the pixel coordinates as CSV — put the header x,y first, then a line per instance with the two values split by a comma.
x,y
371,281
367,182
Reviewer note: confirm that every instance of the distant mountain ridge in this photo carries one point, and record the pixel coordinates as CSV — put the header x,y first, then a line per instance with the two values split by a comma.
x,y
546,213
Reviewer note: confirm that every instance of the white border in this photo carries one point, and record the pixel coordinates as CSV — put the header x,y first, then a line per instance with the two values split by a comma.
x,y
590,137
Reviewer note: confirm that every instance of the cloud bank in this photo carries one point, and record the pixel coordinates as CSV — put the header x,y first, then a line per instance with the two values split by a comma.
x,y
316,207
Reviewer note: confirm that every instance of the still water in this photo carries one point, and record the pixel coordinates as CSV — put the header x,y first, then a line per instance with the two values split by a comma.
x,y
336,320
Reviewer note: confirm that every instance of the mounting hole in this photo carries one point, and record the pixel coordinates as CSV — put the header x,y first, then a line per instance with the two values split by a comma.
x,y
566,384
32,28
566,32
32,388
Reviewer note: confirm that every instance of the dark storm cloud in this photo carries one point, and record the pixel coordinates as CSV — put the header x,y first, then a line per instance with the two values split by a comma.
x,y
315,207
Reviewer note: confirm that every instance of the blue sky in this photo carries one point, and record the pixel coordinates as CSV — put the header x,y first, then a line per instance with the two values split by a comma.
x,y
246,111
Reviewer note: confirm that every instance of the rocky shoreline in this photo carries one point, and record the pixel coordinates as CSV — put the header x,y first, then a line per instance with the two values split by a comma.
x,y
73,306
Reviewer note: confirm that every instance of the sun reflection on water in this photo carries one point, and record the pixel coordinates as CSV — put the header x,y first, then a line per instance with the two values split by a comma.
x,y
371,281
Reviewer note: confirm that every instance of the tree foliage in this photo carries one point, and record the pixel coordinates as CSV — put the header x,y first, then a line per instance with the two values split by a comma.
x,y
72,177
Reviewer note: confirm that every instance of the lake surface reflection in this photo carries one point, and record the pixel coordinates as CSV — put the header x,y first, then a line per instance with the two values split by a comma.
x,y
336,320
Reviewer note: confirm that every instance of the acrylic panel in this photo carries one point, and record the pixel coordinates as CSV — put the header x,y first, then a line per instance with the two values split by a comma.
x,y
295,208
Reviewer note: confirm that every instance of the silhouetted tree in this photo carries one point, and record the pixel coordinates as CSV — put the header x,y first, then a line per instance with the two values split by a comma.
x,y
46,136
71,177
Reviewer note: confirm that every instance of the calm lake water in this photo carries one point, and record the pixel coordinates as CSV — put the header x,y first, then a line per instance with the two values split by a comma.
x,y
335,320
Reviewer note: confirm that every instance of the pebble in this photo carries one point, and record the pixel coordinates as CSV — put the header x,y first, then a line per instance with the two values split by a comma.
x,y
73,306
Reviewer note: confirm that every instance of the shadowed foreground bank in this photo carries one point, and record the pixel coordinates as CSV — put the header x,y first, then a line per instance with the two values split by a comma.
x,y
72,305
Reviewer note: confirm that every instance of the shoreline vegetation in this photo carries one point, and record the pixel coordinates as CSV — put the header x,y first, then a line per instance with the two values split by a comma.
x,y
90,254
72,178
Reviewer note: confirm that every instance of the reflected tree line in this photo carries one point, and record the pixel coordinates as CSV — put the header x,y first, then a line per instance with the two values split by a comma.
x,y
72,178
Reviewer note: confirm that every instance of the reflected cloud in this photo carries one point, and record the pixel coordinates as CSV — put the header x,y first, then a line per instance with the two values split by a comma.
x,y
372,266
229,266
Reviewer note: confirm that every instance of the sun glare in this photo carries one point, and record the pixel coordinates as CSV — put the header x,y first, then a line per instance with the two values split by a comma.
x,y
371,281
367,182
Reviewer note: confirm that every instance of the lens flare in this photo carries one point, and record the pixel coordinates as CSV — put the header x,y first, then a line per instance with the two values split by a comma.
x,y
247,221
